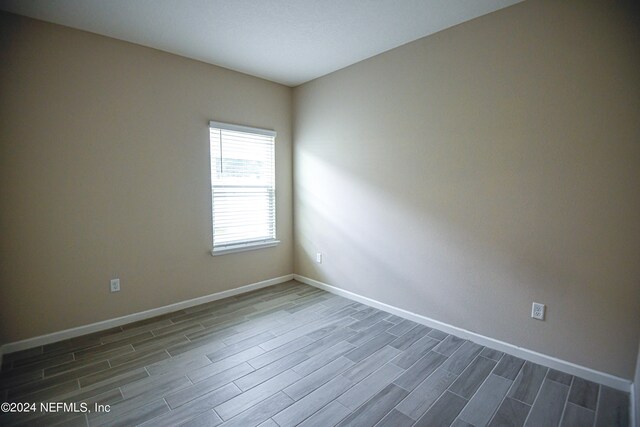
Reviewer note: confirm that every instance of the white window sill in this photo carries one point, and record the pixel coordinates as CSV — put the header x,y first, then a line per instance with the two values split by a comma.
x,y
244,247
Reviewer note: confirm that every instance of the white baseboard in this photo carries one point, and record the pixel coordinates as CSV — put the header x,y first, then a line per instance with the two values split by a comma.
x,y
107,324
533,356
526,354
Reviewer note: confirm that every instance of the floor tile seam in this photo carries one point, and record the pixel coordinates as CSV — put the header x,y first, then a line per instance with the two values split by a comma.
x,y
566,401
595,418
480,387
164,398
513,382
310,415
351,411
536,398
433,404
295,329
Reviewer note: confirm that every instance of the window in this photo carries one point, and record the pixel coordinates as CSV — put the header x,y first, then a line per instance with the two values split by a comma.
x,y
242,187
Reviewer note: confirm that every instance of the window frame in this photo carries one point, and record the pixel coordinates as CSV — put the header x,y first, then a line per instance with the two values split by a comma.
x,y
252,244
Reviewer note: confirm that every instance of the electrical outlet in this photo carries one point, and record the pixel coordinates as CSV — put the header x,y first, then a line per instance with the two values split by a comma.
x,y
537,311
319,257
115,285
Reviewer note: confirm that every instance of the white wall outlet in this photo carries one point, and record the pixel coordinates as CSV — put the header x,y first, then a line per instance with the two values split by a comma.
x,y
114,286
319,257
537,311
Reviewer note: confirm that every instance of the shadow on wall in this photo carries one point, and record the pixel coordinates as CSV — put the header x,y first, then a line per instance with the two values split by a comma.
x,y
376,234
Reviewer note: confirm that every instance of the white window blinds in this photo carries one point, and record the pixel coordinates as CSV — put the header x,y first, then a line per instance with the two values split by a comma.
x,y
242,187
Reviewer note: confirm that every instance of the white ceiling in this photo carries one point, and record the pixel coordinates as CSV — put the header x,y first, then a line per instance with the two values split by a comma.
x,y
286,41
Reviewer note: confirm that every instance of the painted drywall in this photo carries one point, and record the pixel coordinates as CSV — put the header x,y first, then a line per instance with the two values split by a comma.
x,y
104,171
470,173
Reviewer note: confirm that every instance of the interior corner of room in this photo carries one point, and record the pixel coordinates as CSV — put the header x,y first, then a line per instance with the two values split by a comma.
x,y
452,181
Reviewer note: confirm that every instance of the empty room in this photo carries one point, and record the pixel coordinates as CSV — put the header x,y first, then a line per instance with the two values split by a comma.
x,y
284,213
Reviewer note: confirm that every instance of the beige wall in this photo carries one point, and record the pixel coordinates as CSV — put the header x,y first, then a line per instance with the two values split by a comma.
x,y
467,174
104,170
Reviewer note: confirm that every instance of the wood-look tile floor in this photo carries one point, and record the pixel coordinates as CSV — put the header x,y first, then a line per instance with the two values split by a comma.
x,y
293,355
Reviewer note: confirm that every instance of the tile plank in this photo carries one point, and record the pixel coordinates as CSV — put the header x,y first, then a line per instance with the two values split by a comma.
x,y
472,377
369,321
486,401
324,341
369,347
443,412
367,334
437,334
414,353
548,407
136,416
376,408
368,387
208,385
204,372
321,359
330,415
420,370
402,327
492,354
406,340
423,396
260,412
122,369
230,350
511,413
151,390
271,370
395,418
314,380
528,382
508,367
106,348
462,357
577,416
449,345
613,408
184,363
244,401
365,367
156,386
41,395
312,402
264,358
559,377
205,419
583,393
194,408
